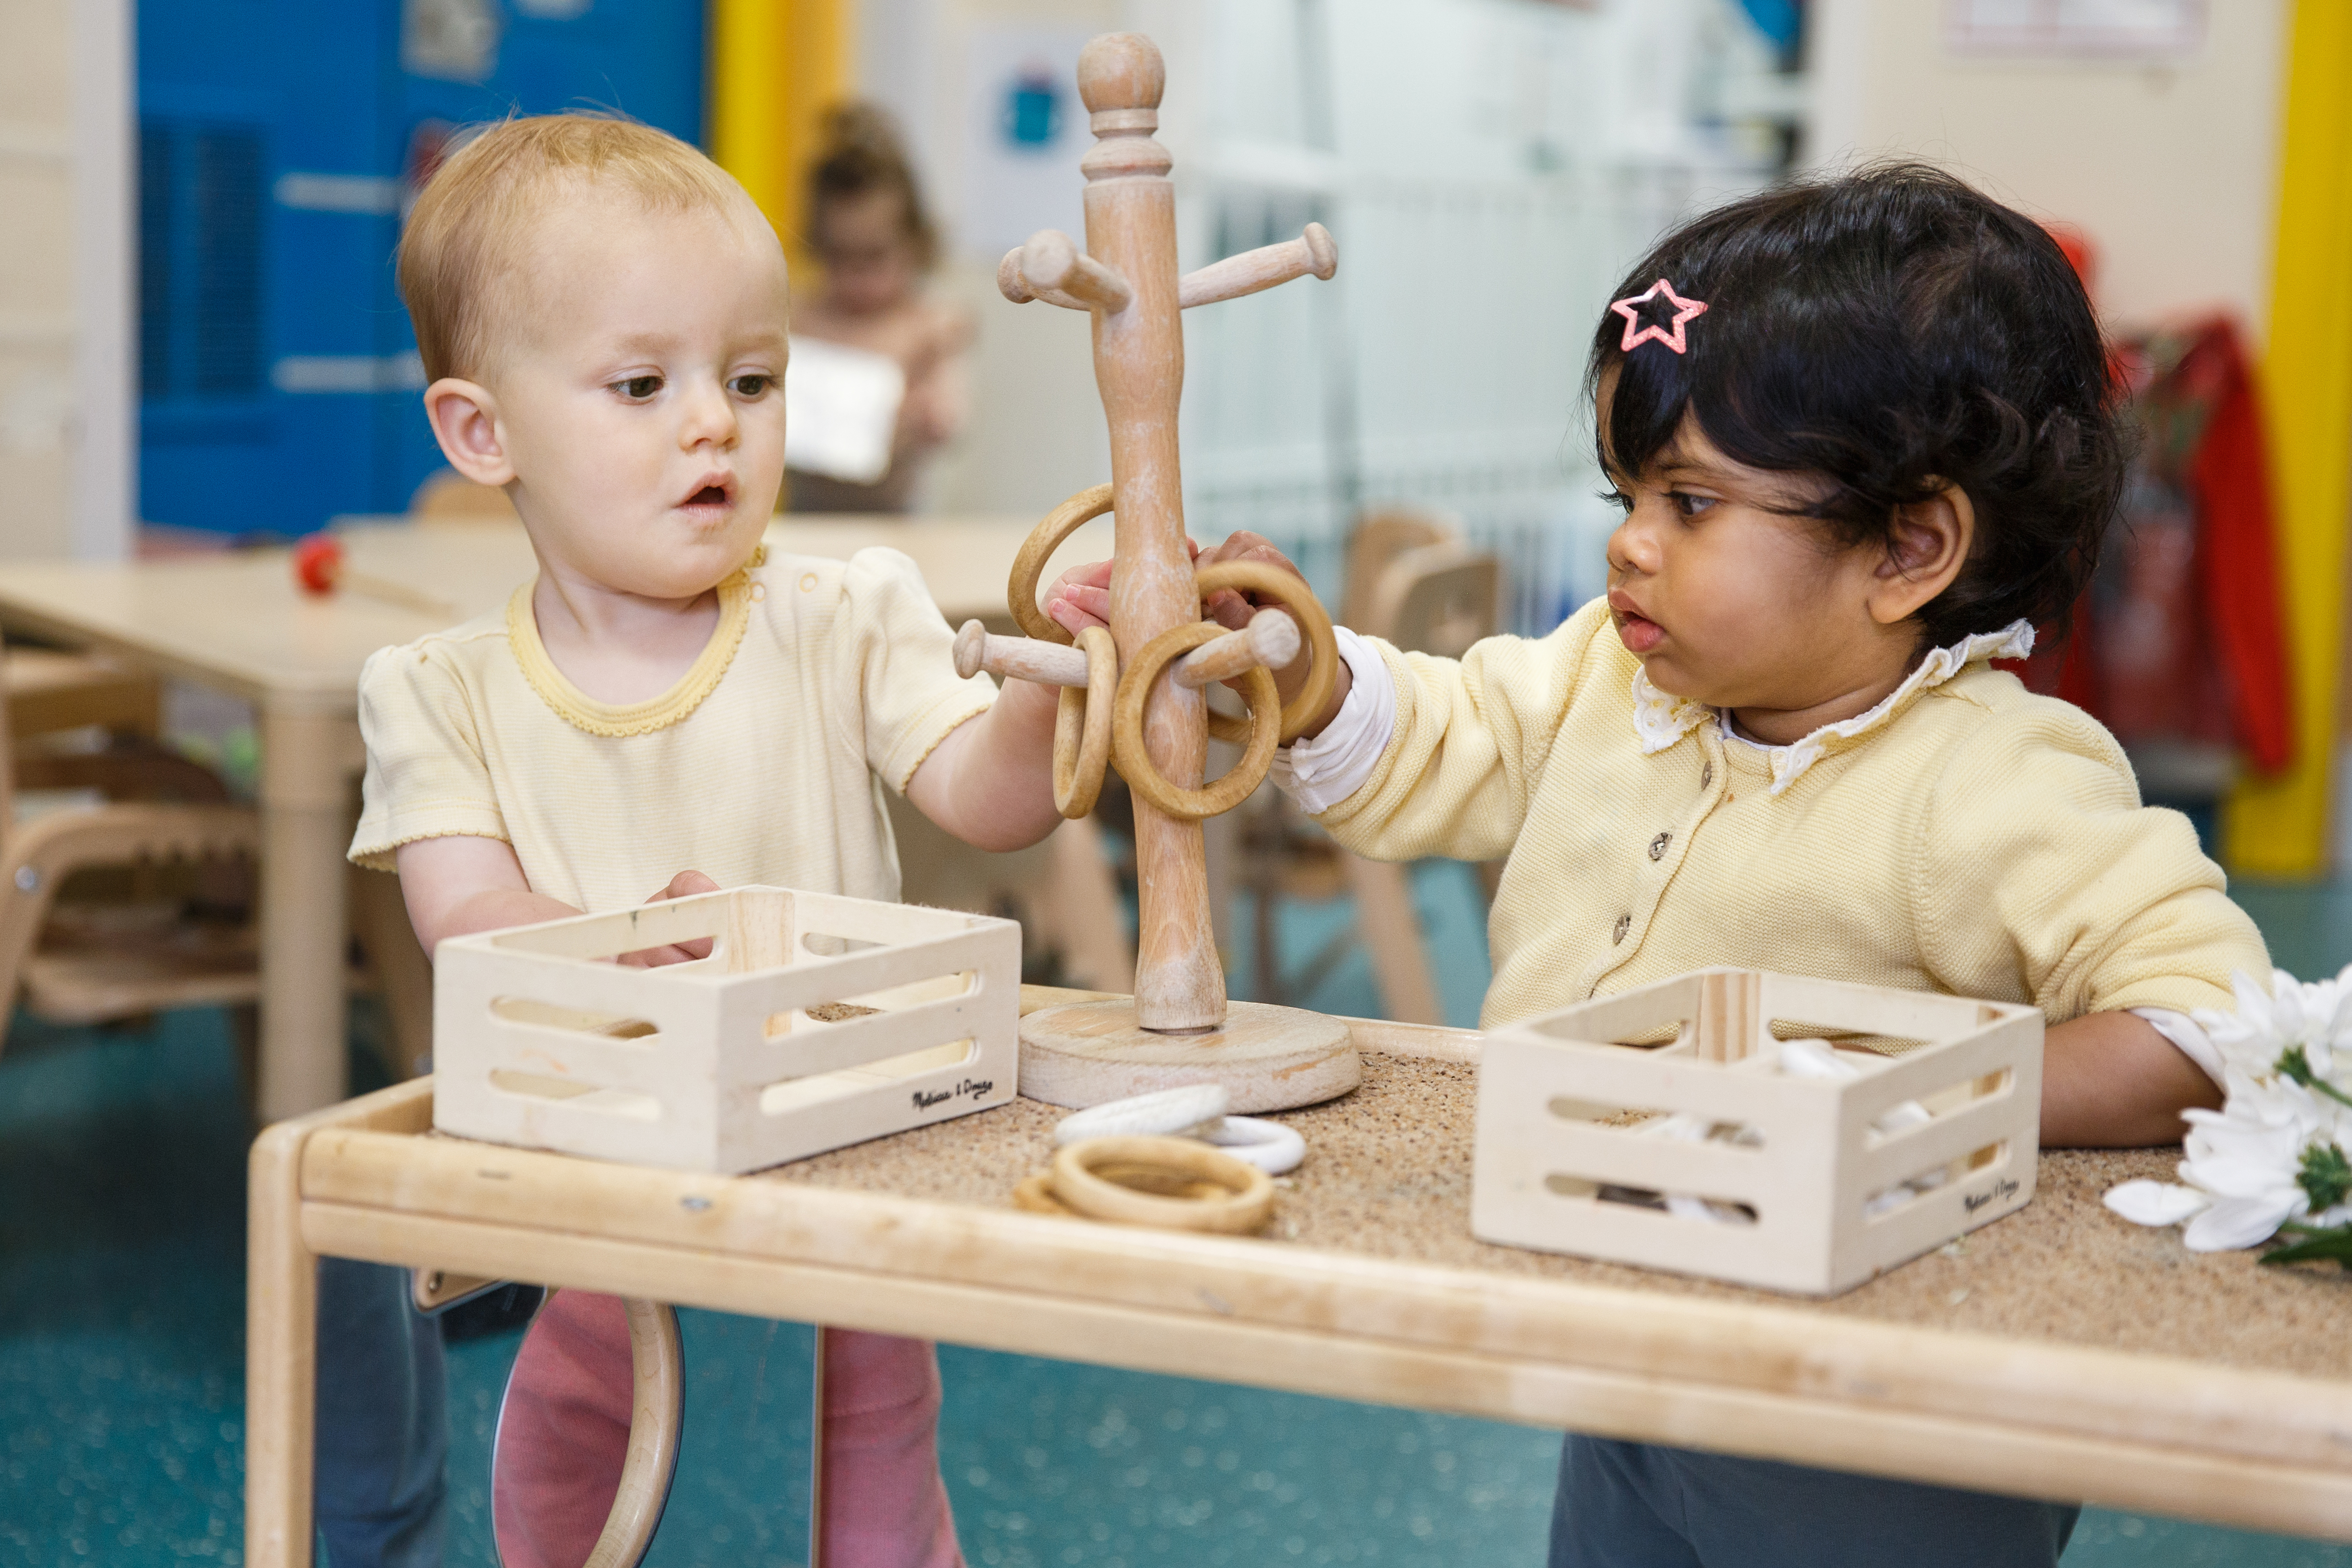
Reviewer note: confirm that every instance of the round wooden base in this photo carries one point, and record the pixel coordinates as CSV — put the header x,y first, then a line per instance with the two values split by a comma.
x,y
1268,1058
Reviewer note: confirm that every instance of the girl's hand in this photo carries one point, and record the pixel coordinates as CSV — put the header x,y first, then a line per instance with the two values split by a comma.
x,y
684,885
1232,607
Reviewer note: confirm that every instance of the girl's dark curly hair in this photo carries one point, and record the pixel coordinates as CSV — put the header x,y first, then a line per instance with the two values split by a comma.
x,y
1895,332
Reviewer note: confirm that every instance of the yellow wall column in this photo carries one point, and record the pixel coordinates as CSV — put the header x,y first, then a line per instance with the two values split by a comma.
x,y
2279,826
775,66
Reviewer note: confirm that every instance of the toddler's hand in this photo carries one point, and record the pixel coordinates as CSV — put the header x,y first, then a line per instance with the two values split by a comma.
x,y
1080,598
1232,608
685,884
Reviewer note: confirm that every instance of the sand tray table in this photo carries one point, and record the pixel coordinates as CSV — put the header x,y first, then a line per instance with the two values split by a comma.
x,y
2060,1352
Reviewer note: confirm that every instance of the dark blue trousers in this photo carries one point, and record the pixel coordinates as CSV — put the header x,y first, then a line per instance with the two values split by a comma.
x,y
1636,1505
383,1423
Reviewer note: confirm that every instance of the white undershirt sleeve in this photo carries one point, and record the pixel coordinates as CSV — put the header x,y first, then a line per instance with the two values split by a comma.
x,y
1320,773
2187,1034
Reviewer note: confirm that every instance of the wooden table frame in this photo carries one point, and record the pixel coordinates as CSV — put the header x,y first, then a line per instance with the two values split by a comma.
x,y
2158,1434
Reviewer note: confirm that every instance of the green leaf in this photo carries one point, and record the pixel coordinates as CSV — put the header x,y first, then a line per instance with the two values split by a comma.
x,y
2326,1176
2321,1244
2295,1065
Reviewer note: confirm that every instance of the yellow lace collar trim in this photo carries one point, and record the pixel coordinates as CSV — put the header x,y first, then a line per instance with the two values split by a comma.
x,y
582,712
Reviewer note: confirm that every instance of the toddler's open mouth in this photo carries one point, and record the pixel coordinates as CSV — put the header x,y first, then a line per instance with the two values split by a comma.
x,y
714,495
1635,630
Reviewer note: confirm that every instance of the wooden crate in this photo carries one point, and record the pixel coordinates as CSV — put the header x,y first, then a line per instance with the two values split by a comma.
x,y
816,1022
1562,1167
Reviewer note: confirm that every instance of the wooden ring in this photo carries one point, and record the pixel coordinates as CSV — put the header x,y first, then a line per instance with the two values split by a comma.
x,y
1082,727
1033,1194
649,1464
1135,764
1244,1200
1292,592
1020,591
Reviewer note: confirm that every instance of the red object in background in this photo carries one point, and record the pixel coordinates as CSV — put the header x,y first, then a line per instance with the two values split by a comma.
x,y
2179,646
319,563
2228,482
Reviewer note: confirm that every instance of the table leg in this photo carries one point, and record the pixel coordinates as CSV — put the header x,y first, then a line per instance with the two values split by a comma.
x,y
307,761
281,1325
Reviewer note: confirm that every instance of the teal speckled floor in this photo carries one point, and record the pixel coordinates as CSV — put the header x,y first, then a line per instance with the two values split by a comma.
x,y
121,1156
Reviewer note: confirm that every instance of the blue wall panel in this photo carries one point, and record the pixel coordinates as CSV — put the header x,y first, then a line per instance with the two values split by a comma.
x,y
279,379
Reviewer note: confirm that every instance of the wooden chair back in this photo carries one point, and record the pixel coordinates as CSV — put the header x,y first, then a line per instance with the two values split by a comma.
x,y
1438,599
1379,536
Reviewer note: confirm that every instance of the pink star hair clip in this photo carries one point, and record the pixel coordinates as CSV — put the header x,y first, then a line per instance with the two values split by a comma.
x,y
1637,334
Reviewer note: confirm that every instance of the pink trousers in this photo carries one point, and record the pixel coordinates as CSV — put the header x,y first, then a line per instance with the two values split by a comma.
x,y
565,1431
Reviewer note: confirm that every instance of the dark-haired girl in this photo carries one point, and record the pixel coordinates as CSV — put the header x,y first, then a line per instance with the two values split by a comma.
x,y
1862,432
869,226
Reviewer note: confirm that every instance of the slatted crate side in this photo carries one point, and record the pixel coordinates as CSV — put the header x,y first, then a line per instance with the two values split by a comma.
x,y
865,920
1820,1160
587,938
1606,1019
682,1135
1521,1143
479,1019
869,978
706,1090
1867,1246
2008,1044
1871,1009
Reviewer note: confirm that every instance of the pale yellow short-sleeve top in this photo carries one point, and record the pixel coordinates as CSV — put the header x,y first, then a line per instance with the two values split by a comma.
x,y
825,680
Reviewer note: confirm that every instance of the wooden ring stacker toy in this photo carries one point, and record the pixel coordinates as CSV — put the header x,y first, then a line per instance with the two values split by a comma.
x,y
1172,1183
1029,564
1179,1029
1295,595
1126,731
1083,732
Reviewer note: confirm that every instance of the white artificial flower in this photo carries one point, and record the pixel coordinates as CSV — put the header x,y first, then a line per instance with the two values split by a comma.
x,y
2317,1016
2242,1164
2155,1202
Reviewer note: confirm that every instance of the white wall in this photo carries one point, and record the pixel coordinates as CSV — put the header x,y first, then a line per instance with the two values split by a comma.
x,y
67,453
36,275
2169,166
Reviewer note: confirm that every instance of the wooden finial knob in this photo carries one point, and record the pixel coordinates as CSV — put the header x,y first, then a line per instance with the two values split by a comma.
x,y
1122,70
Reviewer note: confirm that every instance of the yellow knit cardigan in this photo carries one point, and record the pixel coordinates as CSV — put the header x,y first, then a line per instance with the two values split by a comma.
x,y
1972,838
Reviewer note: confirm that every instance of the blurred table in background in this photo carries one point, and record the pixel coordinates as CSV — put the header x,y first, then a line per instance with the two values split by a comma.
x,y
237,622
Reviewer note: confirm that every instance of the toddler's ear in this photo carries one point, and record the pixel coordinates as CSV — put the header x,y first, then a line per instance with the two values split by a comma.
x,y
465,420
1927,545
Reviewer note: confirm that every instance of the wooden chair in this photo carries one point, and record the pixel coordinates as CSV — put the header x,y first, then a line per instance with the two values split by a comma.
x,y
1426,592
1379,536
99,825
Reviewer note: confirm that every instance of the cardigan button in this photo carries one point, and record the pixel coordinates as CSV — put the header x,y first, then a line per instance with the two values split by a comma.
x,y
1624,924
1658,845
1707,776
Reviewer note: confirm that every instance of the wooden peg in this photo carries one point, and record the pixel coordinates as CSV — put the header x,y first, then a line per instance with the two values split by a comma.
x,y
1016,288
1022,658
1271,639
1053,262
1269,265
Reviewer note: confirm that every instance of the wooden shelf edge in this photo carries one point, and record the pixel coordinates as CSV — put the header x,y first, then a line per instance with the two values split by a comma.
x,y
2083,1392
2189,1481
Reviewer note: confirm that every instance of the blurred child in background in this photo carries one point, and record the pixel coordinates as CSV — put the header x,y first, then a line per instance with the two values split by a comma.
x,y
867,226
